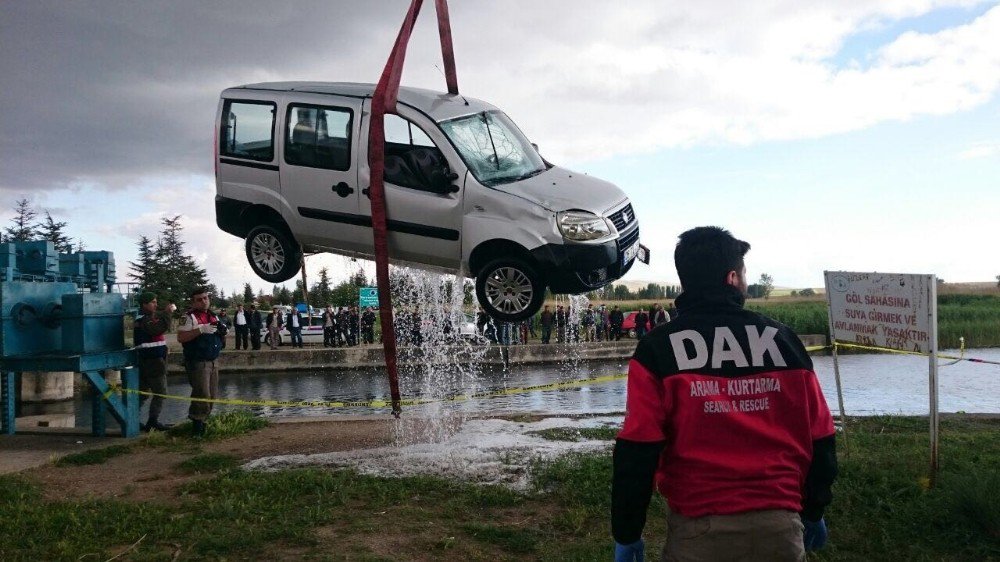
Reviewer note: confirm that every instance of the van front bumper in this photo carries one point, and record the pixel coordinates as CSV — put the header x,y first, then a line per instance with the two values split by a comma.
x,y
579,268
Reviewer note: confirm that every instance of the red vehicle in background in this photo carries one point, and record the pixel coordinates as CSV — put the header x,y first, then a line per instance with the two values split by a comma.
x,y
628,325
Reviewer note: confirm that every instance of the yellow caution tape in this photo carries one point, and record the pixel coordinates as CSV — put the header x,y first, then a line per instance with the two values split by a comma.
x,y
374,403
922,353
458,398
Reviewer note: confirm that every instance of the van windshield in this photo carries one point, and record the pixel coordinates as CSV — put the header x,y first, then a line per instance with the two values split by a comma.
x,y
493,148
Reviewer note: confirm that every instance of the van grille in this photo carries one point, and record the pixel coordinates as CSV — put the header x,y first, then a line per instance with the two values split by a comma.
x,y
623,218
628,239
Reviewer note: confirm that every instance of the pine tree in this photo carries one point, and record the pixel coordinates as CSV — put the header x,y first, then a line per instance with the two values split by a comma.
x,y
52,231
167,270
321,291
24,228
140,269
284,296
247,293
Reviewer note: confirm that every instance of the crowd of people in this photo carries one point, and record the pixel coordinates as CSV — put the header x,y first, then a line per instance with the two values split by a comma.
x,y
592,324
348,326
342,326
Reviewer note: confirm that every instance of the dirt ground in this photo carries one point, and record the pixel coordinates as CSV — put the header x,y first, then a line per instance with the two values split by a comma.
x,y
148,472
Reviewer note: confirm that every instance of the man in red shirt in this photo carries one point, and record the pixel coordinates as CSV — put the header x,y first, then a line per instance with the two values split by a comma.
x,y
725,416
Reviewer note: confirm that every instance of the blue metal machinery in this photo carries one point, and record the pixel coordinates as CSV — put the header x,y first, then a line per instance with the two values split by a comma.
x,y
57,314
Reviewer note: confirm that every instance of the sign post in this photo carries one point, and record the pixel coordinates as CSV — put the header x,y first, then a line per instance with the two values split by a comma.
x,y
890,311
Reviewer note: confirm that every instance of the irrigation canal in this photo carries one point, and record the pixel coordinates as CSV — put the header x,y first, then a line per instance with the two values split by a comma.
x,y
873,384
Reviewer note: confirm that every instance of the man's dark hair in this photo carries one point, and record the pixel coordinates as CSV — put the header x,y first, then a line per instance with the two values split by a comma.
x,y
199,291
704,256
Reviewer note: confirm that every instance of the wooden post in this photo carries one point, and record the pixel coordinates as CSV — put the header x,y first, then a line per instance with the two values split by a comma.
x,y
933,376
305,289
836,370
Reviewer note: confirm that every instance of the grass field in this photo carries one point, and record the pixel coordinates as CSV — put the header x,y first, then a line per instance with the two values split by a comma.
x,y
883,509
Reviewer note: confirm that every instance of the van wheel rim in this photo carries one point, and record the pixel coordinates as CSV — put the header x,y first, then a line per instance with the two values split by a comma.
x,y
267,253
509,290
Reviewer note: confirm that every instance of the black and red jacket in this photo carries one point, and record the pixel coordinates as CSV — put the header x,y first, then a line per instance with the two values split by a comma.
x,y
725,415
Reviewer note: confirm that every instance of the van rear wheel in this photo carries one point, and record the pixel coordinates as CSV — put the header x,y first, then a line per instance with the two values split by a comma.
x,y
272,254
509,289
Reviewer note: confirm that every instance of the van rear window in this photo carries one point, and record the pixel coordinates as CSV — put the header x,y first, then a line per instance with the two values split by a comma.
x,y
248,130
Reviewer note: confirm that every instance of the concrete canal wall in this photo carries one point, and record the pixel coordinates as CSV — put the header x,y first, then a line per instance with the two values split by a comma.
x,y
371,356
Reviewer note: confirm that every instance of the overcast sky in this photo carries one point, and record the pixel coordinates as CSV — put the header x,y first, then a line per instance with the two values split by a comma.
x,y
853,135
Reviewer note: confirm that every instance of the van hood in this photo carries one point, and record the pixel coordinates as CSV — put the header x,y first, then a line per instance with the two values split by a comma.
x,y
558,189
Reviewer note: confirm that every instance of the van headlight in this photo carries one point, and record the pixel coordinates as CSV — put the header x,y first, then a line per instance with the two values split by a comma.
x,y
581,226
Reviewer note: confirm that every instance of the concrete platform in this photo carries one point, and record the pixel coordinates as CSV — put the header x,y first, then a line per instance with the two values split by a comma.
x,y
315,357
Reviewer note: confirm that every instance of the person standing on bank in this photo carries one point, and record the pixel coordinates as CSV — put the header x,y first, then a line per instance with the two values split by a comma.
x,y
368,326
615,320
546,319
224,324
641,323
725,415
242,328
149,337
274,323
329,319
255,325
660,316
202,344
294,324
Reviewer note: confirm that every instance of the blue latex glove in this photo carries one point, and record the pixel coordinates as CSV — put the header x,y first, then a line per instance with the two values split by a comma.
x,y
635,552
813,534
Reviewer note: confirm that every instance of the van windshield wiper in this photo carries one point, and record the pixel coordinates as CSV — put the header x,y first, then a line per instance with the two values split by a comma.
x,y
496,157
527,175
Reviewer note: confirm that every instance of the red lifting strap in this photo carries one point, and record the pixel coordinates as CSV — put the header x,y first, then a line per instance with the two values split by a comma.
x,y
384,101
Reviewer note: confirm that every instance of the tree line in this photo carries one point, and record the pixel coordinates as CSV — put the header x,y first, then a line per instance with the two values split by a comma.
x,y
25,226
654,291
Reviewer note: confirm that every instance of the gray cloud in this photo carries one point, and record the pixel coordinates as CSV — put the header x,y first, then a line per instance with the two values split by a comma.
x,y
102,93
105,92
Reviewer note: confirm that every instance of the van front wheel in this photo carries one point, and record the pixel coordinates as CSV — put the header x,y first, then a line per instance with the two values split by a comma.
x,y
509,289
272,254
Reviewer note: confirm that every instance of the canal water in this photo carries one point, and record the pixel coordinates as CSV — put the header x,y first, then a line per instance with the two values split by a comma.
x,y
873,384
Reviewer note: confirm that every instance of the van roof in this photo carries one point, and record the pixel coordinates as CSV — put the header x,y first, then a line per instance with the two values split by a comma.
x,y
440,106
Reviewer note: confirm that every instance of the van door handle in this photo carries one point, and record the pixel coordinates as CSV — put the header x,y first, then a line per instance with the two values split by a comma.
x,y
367,192
343,189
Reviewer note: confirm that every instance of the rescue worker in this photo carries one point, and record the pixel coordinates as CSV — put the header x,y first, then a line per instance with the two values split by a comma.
x,y
148,335
202,344
726,418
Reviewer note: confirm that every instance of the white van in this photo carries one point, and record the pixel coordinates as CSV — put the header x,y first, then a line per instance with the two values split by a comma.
x,y
465,190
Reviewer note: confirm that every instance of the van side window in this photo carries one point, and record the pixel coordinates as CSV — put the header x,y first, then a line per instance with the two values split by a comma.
x,y
318,137
248,130
411,157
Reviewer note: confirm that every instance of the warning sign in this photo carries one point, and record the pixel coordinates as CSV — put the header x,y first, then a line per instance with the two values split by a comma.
x,y
890,310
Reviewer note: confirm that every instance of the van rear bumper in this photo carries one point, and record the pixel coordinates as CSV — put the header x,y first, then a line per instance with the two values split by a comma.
x,y
229,215
578,268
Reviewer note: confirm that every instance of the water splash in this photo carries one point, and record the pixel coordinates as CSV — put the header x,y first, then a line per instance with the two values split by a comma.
x,y
432,322
483,451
